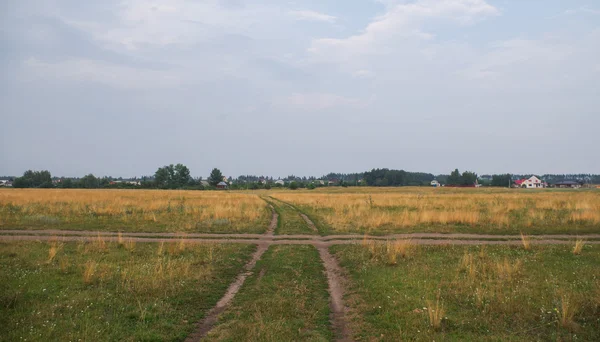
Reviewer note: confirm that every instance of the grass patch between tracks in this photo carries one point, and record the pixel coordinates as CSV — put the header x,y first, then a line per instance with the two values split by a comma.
x,y
285,299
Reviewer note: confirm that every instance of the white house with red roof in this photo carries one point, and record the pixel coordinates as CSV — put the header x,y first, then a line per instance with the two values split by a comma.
x,y
532,183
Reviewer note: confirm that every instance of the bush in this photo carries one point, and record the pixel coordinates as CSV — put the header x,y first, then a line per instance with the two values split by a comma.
x,y
293,185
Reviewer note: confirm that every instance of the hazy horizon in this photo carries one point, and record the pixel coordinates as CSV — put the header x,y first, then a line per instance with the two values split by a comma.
x,y
260,87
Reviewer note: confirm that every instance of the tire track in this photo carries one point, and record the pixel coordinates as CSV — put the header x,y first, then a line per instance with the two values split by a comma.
x,y
205,326
335,281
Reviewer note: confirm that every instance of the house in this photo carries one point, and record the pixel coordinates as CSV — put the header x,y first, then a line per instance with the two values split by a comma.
x,y
568,184
531,183
5,183
435,183
280,182
222,185
204,183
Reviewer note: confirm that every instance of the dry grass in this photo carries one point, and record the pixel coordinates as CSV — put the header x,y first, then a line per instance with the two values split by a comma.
x,y
55,247
435,312
388,251
566,313
525,241
169,210
372,209
89,271
579,243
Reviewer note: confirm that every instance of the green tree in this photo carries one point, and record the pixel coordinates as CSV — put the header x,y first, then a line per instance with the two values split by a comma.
x,y
34,179
501,180
162,176
215,177
454,178
173,177
468,178
181,176
89,182
293,185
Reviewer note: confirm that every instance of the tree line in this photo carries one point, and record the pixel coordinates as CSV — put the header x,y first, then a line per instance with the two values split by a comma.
x,y
178,176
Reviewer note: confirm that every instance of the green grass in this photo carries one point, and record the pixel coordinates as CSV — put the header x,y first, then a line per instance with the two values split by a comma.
x,y
285,299
496,293
290,221
131,293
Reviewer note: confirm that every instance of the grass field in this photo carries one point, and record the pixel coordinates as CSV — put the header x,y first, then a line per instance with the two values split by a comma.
x,y
286,299
100,291
290,221
133,210
413,209
496,293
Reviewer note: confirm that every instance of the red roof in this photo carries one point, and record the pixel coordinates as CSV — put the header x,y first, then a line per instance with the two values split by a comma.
x,y
520,181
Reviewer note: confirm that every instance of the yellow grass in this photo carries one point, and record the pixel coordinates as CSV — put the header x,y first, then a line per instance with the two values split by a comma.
x,y
374,208
525,241
175,210
566,313
89,270
579,243
436,312
53,250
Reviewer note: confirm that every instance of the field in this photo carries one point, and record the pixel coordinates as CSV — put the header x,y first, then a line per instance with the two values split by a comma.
x,y
493,211
109,291
156,286
133,210
493,293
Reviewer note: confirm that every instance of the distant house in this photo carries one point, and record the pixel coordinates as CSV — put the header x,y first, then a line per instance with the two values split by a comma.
x,y
568,184
204,183
333,181
280,182
222,185
531,183
5,183
435,183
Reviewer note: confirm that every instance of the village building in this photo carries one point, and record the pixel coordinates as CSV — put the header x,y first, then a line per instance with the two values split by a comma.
x,y
531,183
567,184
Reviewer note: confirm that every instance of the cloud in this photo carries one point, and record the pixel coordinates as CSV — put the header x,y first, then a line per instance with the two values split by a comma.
x,y
312,16
402,21
582,10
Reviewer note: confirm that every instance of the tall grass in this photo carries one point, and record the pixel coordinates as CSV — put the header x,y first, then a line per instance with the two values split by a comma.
x,y
566,313
435,312
579,243
525,241
409,207
178,210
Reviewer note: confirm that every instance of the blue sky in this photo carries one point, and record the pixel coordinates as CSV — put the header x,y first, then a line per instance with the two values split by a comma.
x,y
306,87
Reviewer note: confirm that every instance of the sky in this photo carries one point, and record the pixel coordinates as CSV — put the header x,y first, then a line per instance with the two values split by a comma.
x,y
275,88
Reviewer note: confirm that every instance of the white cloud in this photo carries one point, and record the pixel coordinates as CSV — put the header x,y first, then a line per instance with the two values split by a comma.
x,y
312,16
403,21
